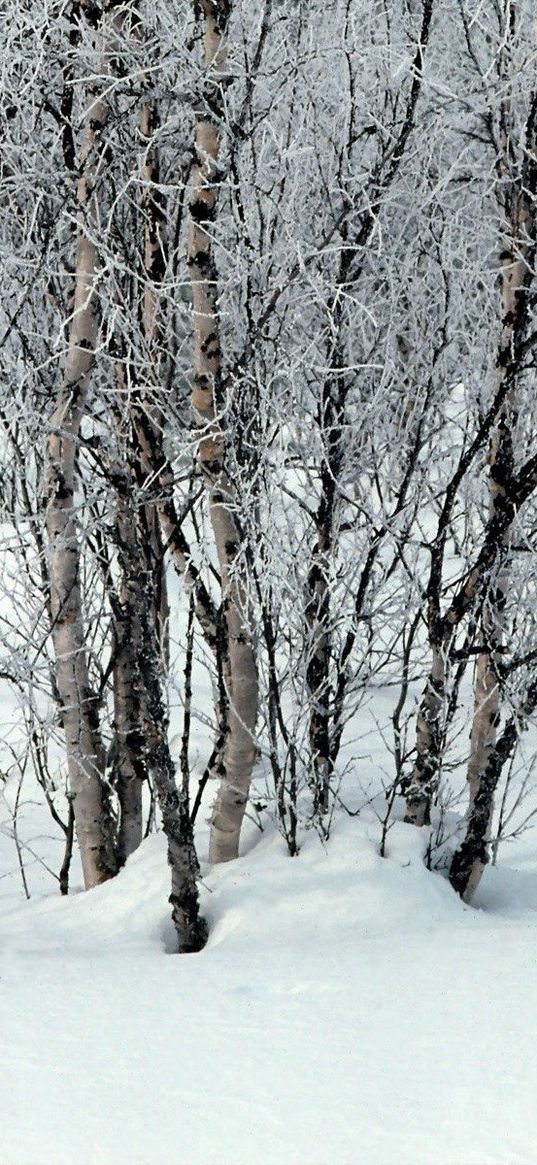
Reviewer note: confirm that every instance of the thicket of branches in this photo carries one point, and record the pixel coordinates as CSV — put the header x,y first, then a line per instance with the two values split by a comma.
x,y
267,336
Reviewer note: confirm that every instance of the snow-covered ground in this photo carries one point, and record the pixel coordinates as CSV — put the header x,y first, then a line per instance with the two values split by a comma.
x,y
348,1010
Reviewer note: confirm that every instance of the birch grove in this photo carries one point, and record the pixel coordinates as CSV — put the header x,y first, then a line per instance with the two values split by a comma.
x,y
268,408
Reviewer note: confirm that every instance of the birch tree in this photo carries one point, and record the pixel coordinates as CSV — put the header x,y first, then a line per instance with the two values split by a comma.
x,y
239,669
514,137
85,752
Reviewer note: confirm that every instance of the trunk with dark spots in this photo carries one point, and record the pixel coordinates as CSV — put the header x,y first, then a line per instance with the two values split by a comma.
x,y
483,772
422,784
239,668
154,271
471,856
130,769
319,607
173,801
518,265
150,716
140,430
78,705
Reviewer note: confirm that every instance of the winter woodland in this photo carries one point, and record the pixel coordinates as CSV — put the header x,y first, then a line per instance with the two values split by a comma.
x,y
268,415
268,418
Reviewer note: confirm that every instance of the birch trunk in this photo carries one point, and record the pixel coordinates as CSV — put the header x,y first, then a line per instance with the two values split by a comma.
x,y
323,708
319,606
85,753
157,514
149,419
154,271
142,564
318,676
518,265
144,423
152,713
129,761
240,663
429,735
173,802
472,856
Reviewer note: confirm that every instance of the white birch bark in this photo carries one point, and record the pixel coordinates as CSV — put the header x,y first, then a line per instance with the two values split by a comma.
x,y
143,422
130,769
151,721
472,856
518,258
429,727
150,421
154,270
85,753
240,663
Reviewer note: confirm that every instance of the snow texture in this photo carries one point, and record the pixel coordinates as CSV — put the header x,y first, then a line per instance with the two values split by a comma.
x,y
348,1010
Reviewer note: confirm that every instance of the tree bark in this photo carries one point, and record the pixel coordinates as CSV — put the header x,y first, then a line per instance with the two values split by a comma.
x,y
487,691
174,807
142,421
319,606
152,714
429,737
239,667
79,713
517,274
130,768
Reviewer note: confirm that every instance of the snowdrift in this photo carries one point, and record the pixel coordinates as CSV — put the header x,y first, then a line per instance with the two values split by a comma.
x,y
348,1010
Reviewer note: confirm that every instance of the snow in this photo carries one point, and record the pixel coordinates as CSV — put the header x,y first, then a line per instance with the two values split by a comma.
x,y
348,1010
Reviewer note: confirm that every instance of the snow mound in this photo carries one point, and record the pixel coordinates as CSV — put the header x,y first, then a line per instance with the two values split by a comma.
x,y
348,1010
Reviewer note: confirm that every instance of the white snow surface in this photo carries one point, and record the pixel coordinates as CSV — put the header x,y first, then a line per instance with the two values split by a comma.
x,y
348,1010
